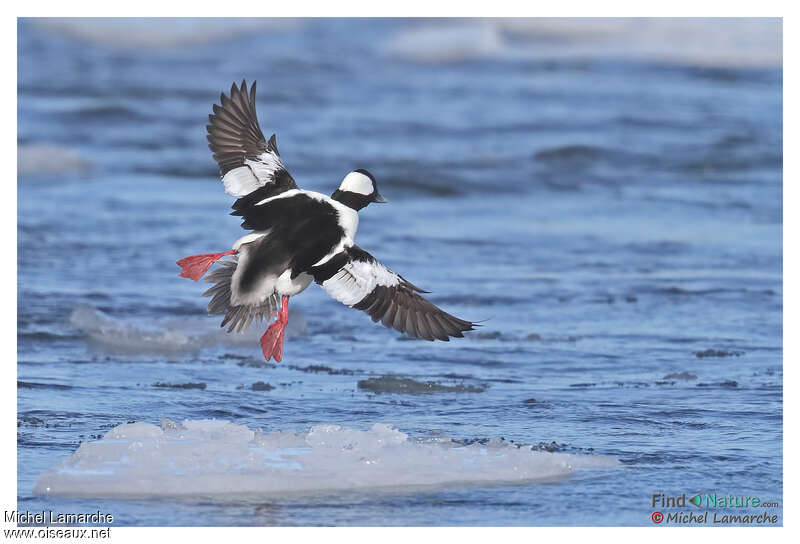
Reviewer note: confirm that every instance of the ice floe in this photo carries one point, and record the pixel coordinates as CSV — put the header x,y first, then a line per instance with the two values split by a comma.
x,y
206,458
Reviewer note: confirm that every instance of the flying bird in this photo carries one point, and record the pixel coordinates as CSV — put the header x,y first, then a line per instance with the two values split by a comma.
x,y
297,237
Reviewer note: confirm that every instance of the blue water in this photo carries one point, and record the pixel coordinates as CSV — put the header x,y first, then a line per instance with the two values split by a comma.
x,y
615,219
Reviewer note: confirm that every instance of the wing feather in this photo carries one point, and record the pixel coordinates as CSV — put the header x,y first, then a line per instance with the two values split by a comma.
x,y
247,162
363,283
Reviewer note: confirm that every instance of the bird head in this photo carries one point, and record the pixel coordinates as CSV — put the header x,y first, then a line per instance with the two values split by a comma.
x,y
358,189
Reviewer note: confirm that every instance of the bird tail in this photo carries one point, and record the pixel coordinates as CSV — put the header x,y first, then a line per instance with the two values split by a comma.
x,y
237,317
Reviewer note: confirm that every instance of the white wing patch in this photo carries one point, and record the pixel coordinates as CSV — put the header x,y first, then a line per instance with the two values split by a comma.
x,y
240,181
265,166
357,279
254,174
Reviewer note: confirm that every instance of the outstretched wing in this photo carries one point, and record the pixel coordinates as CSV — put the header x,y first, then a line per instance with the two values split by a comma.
x,y
250,166
357,279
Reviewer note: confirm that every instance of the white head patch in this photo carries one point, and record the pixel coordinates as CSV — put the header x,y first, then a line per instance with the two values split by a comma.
x,y
356,182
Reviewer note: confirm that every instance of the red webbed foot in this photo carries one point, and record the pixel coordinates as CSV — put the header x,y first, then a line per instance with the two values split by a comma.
x,y
195,266
272,341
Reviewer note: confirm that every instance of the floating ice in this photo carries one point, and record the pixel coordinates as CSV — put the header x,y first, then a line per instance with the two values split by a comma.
x,y
175,336
212,457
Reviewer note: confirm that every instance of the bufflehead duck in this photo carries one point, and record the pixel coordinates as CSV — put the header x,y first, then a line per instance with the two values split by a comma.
x,y
298,237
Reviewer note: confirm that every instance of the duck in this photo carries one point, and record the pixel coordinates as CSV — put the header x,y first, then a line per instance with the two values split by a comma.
x,y
295,238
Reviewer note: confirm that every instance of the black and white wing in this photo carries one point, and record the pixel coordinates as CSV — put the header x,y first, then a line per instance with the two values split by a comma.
x,y
357,279
250,166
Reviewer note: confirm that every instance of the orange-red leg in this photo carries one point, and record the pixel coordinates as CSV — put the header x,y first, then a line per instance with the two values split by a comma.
x,y
195,266
272,341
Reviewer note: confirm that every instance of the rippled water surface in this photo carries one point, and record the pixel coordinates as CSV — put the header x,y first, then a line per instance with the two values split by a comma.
x,y
611,209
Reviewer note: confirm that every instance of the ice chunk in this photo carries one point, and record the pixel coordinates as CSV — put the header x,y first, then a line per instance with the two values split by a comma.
x,y
134,431
214,457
